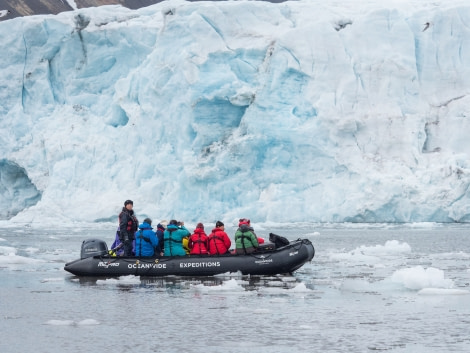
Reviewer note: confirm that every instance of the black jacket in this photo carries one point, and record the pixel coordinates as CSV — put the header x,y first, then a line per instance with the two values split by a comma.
x,y
128,224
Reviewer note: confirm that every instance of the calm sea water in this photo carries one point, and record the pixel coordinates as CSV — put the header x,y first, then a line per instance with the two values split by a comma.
x,y
369,288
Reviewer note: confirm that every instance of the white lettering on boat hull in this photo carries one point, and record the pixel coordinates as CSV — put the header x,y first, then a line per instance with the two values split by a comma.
x,y
199,264
108,264
146,266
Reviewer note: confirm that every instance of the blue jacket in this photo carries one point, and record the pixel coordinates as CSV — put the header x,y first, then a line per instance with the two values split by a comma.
x,y
145,240
173,237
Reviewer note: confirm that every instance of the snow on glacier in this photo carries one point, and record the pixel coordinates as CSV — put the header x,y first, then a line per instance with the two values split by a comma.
x,y
300,111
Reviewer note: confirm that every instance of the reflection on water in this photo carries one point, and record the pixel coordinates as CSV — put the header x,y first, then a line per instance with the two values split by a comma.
x,y
248,283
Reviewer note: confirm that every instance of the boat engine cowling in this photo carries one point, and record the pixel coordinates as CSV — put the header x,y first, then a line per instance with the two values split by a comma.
x,y
93,247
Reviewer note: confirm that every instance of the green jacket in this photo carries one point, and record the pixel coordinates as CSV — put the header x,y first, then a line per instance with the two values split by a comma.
x,y
246,238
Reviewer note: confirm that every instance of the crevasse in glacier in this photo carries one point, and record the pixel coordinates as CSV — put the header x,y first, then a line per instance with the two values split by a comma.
x,y
299,111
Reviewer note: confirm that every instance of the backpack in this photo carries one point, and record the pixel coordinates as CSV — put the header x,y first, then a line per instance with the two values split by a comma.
x,y
278,240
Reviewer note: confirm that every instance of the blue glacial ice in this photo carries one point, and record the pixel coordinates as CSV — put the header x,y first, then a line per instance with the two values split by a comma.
x,y
299,111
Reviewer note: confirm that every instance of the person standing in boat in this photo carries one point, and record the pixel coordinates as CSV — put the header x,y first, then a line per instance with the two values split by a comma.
x,y
198,240
218,241
127,226
246,240
146,240
173,239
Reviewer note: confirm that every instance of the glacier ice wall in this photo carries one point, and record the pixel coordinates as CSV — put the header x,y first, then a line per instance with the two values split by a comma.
x,y
300,111
16,189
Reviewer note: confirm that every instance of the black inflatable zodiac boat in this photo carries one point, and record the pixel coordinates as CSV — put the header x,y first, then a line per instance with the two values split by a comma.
x,y
269,259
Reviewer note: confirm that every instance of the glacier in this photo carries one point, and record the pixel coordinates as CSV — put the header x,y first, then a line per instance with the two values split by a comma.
x,y
302,111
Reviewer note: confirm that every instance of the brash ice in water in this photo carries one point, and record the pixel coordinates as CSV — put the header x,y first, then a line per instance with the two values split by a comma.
x,y
369,288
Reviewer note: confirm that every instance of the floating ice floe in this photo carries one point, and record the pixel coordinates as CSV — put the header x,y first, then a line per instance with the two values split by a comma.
x,y
130,279
373,254
356,285
7,250
56,279
86,322
31,250
227,286
314,234
418,278
390,247
288,279
443,291
300,288
13,259
453,255
229,274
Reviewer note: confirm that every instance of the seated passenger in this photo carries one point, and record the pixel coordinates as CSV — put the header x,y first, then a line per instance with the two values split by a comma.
x,y
198,240
173,239
160,230
247,221
246,240
146,240
218,241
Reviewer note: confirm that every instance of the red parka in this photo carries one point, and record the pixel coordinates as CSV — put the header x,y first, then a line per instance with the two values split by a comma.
x,y
198,242
219,242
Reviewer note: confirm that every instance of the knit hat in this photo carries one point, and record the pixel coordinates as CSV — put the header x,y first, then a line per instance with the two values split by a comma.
x,y
164,223
128,202
218,224
200,225
243,221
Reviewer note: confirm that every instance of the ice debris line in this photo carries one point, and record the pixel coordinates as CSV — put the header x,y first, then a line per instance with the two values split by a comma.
x,y
299,111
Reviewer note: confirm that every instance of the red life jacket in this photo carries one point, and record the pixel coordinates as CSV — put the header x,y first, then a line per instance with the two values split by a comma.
x,y
219,242
198,242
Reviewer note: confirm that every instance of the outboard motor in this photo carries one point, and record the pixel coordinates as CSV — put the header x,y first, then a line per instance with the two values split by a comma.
x,y
93,247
